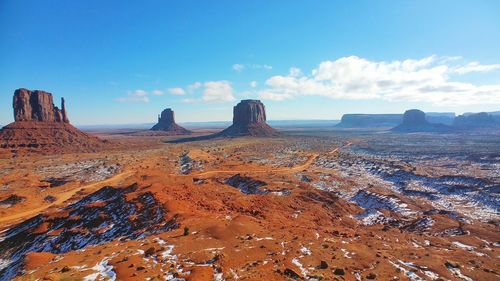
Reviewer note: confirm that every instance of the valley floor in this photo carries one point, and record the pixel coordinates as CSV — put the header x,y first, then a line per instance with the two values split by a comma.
x,y
308,206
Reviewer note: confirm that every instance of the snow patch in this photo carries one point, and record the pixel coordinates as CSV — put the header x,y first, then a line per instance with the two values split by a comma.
x,y
458,273
303,271
103,269
409,273
347,254
305,251
462,246
4,264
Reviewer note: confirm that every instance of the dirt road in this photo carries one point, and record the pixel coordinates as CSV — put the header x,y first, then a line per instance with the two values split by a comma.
x,y
288,170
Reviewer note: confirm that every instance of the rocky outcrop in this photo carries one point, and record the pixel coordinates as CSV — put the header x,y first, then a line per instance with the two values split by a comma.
x,y
414,120
379,121
369,120
166,123
249,112
414,117
476,121
37,106
440,117
249,119
42,127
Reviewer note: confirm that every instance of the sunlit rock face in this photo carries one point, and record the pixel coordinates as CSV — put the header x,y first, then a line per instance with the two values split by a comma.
x,y
249,119
249,112
37,106
42,127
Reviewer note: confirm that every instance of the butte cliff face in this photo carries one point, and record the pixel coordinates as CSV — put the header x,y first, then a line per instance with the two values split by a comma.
x,y
40,126
249,119
166,123
37,106
414,120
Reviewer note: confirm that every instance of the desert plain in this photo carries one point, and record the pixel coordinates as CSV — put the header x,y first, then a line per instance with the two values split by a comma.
x,y
310,204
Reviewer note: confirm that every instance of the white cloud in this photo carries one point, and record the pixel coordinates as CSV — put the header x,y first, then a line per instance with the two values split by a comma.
x,y
135,96
217,91
354,78
274,96
213,91
295,72
138,93
253,84
193,87
157,93
476,67
262,66
240,67
189,100
177,91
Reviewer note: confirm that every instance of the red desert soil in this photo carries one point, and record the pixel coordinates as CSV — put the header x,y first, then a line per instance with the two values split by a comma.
x,y
292,230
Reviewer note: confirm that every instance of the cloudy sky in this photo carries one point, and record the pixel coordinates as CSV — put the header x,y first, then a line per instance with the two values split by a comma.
x,y
118,64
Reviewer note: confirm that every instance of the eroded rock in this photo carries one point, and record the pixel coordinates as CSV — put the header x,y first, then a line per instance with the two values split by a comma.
x,y
166,123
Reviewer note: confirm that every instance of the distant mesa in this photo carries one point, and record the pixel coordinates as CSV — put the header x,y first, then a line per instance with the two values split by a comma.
x,y
445,118
476,121
166,123
415,120
369,120
41,126
249,119
380,121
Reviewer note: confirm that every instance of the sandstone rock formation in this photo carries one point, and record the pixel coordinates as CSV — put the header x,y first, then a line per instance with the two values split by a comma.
x,y
375,121
249,119
440,117
369,120
40,126
37,106
414,117
414,120
166,123
476,121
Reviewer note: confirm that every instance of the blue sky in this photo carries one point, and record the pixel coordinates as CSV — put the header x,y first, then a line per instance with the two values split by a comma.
x,y
117,63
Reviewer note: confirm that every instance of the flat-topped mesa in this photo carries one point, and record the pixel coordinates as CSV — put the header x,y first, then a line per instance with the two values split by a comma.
x,y
475,121
369,120
37,106
249,119
166,123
